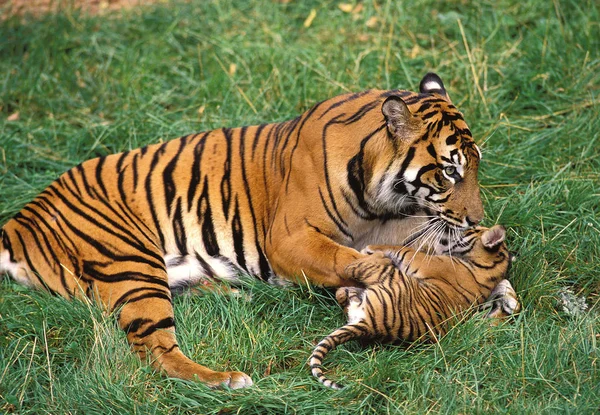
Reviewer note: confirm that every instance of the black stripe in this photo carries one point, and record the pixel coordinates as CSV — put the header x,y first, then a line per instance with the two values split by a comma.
x,y
264,268
204,213
343,101
179,228
151,292
165,323
307,115
226,179
257,137
99,179
361,112
169,185
196,170
150,197
237,233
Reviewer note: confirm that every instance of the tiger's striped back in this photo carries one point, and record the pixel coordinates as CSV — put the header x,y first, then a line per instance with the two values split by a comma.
x,y
410,295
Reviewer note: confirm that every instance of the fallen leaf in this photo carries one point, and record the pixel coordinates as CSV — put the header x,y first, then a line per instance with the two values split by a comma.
x,y
310,18
372,22
345,7
232,69
357,9
13,117
201,110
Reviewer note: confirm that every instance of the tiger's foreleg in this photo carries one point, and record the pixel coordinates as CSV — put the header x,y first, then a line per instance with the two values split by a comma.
x,y
310,256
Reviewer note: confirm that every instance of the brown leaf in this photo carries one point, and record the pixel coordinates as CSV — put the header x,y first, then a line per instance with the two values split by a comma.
x,y
13,117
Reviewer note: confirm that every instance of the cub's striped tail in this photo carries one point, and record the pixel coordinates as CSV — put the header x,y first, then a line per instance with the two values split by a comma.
x,y
340,336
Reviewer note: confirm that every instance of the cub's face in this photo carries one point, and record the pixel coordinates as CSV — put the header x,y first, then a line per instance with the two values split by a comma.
x,y
436,160
484,246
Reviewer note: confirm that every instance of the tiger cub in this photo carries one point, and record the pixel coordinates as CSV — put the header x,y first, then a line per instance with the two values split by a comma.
x,y
411,295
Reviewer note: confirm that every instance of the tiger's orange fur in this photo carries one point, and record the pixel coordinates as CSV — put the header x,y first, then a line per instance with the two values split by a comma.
x,y
297,199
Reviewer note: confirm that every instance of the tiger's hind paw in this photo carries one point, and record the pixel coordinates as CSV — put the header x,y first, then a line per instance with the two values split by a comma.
x,y
232,380
239,380
502,301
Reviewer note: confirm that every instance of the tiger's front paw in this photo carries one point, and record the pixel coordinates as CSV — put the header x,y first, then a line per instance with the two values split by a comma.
x,y
502,301
368,250
367,269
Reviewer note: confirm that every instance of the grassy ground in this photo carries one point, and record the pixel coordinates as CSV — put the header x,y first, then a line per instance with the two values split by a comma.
x,y
526,75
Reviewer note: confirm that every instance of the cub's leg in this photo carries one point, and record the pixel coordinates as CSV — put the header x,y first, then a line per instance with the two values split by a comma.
x,y
502,301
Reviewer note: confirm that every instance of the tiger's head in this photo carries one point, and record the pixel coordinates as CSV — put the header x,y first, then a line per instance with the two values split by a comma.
x,y
435,159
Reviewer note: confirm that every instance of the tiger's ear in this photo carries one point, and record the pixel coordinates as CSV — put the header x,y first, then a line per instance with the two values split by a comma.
x,y
432,84
397,115
493,237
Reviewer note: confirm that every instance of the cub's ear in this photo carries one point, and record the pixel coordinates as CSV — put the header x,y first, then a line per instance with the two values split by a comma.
x,y
397,115
493,237
432,84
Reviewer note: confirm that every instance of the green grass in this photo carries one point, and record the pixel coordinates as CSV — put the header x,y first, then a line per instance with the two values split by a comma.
x,y
525,74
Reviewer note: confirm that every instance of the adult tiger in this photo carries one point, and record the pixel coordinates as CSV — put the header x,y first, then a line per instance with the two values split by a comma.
x,y
295,199
411,295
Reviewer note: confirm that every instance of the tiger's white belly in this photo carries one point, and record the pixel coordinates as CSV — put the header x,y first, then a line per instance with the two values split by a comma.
x,y
392,232
186,270
17,271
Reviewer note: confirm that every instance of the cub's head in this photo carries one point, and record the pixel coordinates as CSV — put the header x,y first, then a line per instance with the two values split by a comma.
x,y
482,246
435,162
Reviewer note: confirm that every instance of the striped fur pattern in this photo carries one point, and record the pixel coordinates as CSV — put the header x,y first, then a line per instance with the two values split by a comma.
x,y
412,295
291,200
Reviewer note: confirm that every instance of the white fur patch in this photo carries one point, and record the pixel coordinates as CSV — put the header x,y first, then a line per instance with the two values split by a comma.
x,y
17,271
430,85
478,152
189,270
411,173
355,310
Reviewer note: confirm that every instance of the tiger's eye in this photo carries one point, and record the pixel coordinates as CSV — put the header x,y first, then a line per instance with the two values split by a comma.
x,y
450,170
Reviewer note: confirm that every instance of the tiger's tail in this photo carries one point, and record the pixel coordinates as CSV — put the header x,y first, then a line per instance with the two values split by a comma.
x,y
338,337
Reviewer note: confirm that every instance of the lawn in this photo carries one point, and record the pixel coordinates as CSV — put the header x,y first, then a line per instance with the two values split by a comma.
x,y
525,74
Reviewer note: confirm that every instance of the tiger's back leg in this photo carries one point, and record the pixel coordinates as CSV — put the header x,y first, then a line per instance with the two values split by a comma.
x,y
130,280
145,313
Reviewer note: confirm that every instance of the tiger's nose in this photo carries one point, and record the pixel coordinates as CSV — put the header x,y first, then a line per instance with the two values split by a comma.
x,y
473,220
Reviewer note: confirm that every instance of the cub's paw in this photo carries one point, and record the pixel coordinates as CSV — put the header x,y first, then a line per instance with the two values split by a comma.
x,y
346,295
502,301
